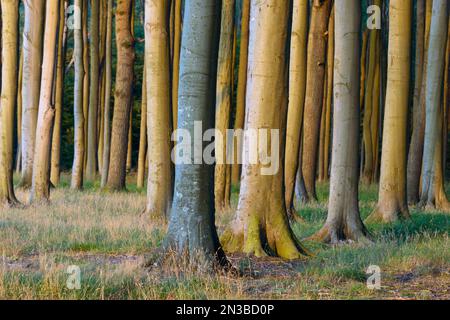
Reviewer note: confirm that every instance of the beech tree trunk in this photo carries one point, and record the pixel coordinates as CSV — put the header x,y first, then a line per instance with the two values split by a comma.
x,y
40,187
435,77
192,227
223,104
91,164
78,159
107,101
10,30
157,62
122,96
315,76
261,223
343,221
297,87
392,203
31,81
143,134
241,87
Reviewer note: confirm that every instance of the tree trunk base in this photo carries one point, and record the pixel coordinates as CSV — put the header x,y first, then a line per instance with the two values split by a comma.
x,y
384,216
333,234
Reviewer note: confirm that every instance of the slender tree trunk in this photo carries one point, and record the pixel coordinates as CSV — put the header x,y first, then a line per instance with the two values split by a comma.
x,y
315,76
192,228
434,78
19,113
40,187
91,163
122,96
86,76
107,100
10,30
297,87
78,159
59,93
344,222
241,87
392,203
223,104
143,133
32,60
176,59
418,128
130,140
261,224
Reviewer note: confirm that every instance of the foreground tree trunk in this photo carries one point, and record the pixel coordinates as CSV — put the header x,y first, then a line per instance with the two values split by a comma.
x,y
261,224
297,87
392,203
107,101
176,58
223,104
31,81
416,146
192,228
78,158
157,62
241,87
435,77
122,96
10,30
59,94
40,187
317,49
91,163
344,222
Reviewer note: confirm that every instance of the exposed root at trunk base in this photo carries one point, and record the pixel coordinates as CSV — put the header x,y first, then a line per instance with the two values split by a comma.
x,y
334,235
276,240
380,216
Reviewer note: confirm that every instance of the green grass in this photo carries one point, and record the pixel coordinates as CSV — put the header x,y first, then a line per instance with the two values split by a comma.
x,y
106,235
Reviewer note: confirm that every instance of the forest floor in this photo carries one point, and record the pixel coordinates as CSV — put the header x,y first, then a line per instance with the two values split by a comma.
x,y
106,236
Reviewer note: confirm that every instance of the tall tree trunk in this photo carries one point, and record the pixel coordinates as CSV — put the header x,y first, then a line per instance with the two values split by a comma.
x,y
192,227
19,113
223,104
107,100
343,221
143,146
40,187
122,96
78,159
10,31
317,45
418,127
91,163
297,87
261,224
32,60
241,86
176,59
59,94
392,203
434,78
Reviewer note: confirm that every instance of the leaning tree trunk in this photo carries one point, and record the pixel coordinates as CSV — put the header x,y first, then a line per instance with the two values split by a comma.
x,y
315,76
31,81
78,158
261,224
415,154
122,96
107,100
192,228
435,77
223,105
343,221
157,75
59,94
10,30
91,163
241,87
297,87
40,187
392,203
